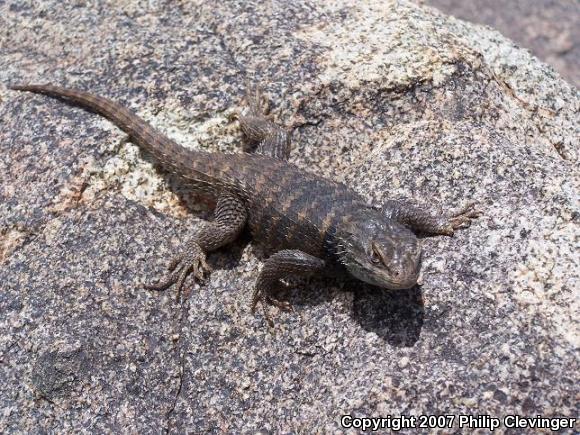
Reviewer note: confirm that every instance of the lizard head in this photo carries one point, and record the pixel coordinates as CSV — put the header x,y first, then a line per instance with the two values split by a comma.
x,y
379,251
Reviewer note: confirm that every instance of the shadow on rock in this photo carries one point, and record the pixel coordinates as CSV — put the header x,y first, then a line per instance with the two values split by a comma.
x,y
394,315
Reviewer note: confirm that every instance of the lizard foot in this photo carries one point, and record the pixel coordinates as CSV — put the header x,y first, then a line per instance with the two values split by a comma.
x,y
265,299
462,217
192,260
257,104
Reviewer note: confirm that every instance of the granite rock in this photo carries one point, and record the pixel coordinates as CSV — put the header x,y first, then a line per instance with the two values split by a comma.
x,y
392,98
548,28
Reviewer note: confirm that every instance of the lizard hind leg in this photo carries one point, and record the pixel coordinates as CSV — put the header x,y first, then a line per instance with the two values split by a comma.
x,y
230,218
267,137
283,264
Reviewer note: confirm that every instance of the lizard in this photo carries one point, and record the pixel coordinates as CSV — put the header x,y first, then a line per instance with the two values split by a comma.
x,y
306,221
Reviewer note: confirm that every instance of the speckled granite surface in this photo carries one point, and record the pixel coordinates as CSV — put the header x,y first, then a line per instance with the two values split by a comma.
x,y
550,29
392,98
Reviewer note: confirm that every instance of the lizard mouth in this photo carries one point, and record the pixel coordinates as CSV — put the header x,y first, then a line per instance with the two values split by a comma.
x,y
383,279
392,284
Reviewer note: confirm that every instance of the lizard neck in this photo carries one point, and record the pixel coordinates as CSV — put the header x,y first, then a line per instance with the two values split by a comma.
x,y
336,239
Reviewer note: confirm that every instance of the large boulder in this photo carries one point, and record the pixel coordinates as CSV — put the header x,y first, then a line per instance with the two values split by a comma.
x,y
394,99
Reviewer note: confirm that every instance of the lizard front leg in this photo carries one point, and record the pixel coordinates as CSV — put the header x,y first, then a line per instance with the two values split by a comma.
x,y
270,139
230,218
418,218
283,264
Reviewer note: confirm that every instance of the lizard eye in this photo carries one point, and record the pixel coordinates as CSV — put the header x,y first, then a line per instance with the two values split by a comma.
x,y
375,254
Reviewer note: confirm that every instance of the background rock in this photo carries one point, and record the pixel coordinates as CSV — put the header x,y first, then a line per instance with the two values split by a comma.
x,y
549,28
395,100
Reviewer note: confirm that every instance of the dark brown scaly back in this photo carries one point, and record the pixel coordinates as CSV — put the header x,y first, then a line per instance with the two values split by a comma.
x,y
287,207
295,209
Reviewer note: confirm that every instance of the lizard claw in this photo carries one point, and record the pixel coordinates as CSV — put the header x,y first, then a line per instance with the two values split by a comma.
x,y
258,103
462,217
262,297
234,115
192,261
281,305
259,297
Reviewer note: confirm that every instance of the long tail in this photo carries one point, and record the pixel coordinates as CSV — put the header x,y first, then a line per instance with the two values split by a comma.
x,y
157,144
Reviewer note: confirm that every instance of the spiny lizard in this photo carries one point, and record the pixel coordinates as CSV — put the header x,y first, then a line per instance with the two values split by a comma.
x,y
309,221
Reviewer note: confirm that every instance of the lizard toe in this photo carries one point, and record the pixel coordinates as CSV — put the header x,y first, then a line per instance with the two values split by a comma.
x,y
463,216
164,283
281,305
191,261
